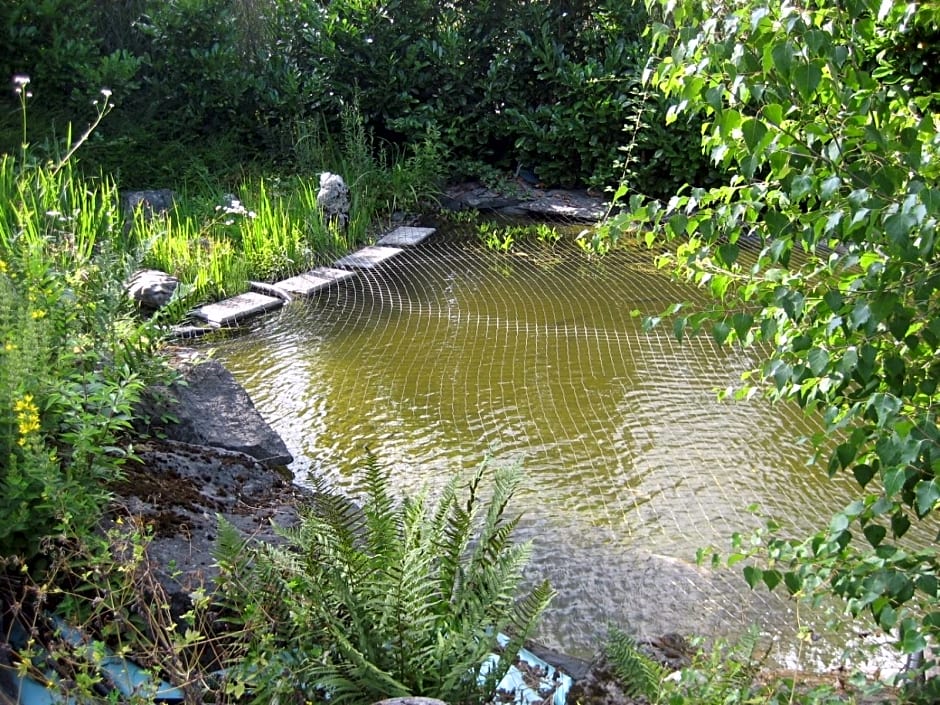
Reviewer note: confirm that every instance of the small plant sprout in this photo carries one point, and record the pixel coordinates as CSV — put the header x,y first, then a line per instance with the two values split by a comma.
x,y
103,107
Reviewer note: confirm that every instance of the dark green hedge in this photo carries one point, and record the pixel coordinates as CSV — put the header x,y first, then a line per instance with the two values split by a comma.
x,y
550,86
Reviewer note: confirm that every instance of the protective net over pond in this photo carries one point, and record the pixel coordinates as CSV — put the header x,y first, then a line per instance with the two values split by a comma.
x,y
452,353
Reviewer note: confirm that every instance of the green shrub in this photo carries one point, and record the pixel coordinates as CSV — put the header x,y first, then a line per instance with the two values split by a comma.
x,y
385,601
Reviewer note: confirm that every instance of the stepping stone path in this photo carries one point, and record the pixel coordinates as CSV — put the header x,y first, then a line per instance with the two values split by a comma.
x,y
405,236
231,311
314,280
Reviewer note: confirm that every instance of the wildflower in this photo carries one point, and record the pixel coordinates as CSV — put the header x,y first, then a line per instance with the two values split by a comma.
x,y
27,417
3,267
19,85
37,314
106,92
9,347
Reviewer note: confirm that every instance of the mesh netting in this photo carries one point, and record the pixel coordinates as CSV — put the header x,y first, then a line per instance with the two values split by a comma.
x,y
451,353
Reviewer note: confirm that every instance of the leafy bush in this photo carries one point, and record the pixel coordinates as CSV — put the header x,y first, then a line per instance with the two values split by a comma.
x,y
833,171
388,600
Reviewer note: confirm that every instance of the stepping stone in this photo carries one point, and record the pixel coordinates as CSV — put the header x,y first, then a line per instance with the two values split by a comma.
x,y
188,332
368,257
234,309
404,236
314,280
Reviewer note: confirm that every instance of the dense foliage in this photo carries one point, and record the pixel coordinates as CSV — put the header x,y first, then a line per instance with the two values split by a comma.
x,y
833,151
551,86
73,357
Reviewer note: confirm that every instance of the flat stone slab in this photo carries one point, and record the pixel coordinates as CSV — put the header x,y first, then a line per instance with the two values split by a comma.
x,y
314,280
368,257
236,308
405,235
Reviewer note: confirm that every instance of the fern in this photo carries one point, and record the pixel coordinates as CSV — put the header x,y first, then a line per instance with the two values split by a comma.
x,y
394,599
637,673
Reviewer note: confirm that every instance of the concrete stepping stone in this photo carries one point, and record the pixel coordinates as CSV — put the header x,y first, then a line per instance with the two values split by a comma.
x,y
229,311
405,235
314,280
368,257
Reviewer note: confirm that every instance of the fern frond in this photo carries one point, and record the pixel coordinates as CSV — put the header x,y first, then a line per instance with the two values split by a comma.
x,y
523,616
229,552
380,516
496,528
637,673
367,681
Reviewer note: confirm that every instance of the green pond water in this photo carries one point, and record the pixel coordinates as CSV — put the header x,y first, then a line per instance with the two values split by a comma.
x,y
450,354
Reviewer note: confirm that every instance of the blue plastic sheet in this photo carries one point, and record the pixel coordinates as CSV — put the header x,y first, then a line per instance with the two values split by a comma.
x,y
539,681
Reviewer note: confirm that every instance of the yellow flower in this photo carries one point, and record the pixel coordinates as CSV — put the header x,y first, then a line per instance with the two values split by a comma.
x,y
37,314
3,267
9,347
27,417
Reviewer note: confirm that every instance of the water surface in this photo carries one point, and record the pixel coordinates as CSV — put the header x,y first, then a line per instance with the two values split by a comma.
x,y
451,353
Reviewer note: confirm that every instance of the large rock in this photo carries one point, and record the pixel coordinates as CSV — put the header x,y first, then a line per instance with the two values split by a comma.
x,y
519,198
179,490
150,203
211,409
333,199
151,288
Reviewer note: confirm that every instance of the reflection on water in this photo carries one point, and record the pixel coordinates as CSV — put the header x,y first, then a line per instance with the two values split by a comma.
x,y
450,353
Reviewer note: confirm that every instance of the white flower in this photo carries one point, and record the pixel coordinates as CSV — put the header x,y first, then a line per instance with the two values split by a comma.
x,y
106,92
20,80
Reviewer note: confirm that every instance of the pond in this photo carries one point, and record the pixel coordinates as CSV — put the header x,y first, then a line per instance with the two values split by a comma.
x,y
452,353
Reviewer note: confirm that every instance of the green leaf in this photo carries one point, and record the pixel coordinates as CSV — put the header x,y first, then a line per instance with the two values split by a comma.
x,y
930,585
678,327
728,253
927,494
753,131
772,578
774,113
833,300
818,361
839,523
912,640
742,322
728,121
793,582
885,406
899,525
829,187
720,332
898,227
752,575
894,480
783,58
875,534
806,77
860,315
719,285
800,187
845,453
863,474
887,617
